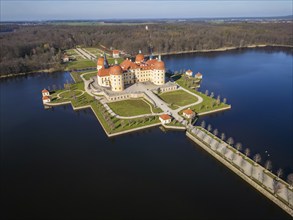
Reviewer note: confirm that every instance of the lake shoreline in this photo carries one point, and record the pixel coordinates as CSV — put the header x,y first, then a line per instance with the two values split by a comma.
x,y
222,49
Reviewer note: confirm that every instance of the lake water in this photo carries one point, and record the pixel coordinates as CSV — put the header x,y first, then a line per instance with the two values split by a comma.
x,y
59,164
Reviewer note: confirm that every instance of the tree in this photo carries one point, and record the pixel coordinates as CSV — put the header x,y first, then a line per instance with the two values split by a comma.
x,y
268,165
209,128
203,124
257,159
223,136
276,187
224,151
279,173
290,180
212,95
206,92
238,146
122,123
216,132
224,100
247,152
233,156
230,141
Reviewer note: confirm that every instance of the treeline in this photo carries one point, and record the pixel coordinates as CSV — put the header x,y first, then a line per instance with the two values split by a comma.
x,y
36,47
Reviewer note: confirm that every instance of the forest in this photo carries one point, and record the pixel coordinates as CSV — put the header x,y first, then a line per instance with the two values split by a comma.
x,y
28,48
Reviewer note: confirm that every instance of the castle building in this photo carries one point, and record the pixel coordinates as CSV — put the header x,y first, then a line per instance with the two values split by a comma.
x,y
128,72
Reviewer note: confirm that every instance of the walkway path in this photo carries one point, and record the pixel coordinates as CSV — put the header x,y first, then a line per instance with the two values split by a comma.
x,y
85,54
59,97
91,54
199,99
80,54
264,179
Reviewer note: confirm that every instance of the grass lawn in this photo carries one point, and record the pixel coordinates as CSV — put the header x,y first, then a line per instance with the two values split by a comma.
x,y
90,74
70,94
80,64
72,53
208,103
178,98
130,107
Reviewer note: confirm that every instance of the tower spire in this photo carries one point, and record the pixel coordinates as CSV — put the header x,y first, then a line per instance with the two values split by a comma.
x,y
106,64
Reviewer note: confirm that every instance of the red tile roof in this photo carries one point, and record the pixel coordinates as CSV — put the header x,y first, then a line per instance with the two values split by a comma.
x,y
104,72
45,91
188,112
115,51
165,117
198,74
189,71
139,58
45,98
116,70
100,61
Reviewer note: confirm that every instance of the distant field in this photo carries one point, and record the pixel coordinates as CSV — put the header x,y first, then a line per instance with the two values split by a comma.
x,y
80,64
96,51
72,53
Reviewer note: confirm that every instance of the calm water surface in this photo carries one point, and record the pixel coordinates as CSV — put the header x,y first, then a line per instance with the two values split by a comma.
x,y
58,164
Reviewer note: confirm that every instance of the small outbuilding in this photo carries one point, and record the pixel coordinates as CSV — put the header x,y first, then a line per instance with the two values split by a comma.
x,y
198,75
116,54
45,92
188,113
188,73
46,99
65,58
165,119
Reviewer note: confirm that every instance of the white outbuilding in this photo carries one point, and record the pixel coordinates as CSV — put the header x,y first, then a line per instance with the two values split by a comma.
x,y
165,119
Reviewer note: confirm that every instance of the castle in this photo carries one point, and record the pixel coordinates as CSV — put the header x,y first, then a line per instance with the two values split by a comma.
x,y
128,72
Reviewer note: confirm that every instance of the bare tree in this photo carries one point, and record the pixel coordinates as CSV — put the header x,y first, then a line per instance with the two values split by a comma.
x,y
230,141
279,173
257,159
216,132
203,124
212,95
224,150
268,165
247,152
233,156
238,146
206,92
122,123
224,100
209,128
290,180
223,136
276,187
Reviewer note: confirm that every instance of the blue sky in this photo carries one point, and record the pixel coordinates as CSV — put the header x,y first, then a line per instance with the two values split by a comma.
x,y
23,10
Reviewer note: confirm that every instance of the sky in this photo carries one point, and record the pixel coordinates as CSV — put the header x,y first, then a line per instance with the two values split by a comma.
x,y
34,10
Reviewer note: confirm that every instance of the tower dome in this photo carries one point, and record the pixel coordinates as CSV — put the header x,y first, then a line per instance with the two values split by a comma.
x,y
100,61
139,57
116,70
159,65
